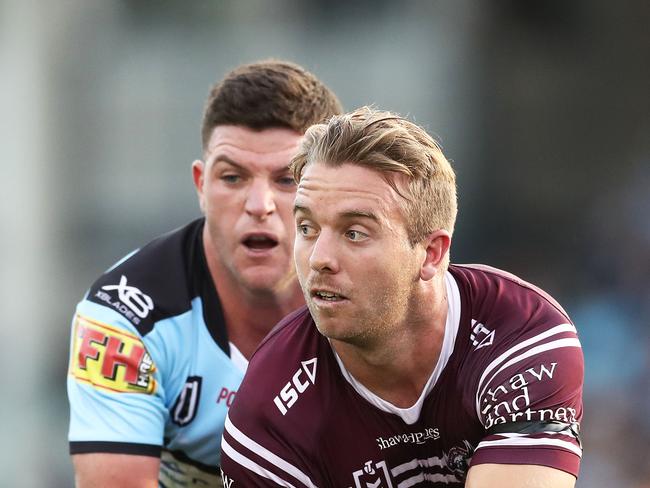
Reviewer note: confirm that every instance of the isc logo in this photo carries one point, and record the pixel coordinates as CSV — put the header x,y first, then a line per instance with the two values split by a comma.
x,y
289,392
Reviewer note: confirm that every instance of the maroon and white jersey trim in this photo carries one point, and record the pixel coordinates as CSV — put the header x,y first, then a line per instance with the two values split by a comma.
x,y
263,453
559,329
432,462
552,439
255,468
411,414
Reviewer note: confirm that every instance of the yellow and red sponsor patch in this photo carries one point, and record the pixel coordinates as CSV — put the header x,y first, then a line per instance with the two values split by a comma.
x,y
110,358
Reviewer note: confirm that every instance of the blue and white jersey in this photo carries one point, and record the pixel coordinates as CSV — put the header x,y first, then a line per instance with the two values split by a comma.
x,y
151,371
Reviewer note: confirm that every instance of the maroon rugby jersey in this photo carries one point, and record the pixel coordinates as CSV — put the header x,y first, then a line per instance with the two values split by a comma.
x,y
507,389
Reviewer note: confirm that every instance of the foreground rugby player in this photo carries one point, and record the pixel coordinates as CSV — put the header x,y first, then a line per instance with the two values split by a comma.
x,y
404,370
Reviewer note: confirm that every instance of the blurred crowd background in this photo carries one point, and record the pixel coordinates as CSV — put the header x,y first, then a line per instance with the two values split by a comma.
x,y
543,106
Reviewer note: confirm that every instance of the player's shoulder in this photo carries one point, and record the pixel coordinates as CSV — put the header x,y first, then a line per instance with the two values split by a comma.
x,y
279,407
510,327
296,327
151,283
506,320
495,295
283,367
291,342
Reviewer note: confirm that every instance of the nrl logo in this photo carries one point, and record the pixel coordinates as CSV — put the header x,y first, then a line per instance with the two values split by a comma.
x,y
372,475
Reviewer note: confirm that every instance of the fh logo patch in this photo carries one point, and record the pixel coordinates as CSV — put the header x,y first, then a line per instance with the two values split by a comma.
x,y
481,336
289,393
373,475
110,358
131,302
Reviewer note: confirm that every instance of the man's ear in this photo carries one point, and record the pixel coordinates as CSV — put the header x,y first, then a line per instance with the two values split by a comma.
x,y
198,175
436,246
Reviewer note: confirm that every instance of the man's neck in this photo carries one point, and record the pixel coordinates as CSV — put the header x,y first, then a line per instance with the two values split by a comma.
x,y
398,367
249,316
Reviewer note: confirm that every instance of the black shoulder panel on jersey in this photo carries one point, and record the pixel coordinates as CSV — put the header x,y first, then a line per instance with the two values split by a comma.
x,y
160,281
212,312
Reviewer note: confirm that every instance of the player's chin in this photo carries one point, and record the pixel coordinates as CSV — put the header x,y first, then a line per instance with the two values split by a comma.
x,y
331,325
266,278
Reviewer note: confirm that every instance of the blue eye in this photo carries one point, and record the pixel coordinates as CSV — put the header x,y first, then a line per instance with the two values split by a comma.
x,y
230,178
286,181
305,230
355,235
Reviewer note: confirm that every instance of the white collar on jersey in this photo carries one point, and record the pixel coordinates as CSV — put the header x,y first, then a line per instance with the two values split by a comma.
x,y
410,415
237,358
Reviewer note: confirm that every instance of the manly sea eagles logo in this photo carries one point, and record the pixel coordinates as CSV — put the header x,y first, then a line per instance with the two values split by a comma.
x,y
458,459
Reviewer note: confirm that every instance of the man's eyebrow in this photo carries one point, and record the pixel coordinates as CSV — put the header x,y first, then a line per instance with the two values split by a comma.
x,y
222,158
355,214
349,214
281,170
299,208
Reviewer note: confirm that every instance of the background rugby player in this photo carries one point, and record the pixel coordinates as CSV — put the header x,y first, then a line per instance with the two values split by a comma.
x,y
404,370
161,340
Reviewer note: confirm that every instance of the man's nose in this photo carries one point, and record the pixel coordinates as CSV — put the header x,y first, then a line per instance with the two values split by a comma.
x,y
323,252
260,201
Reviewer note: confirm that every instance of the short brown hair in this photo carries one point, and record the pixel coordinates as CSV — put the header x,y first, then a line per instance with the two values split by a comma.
x,y
268,94
391,145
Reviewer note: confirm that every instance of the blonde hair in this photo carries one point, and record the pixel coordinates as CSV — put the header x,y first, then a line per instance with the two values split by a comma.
x,y
391,145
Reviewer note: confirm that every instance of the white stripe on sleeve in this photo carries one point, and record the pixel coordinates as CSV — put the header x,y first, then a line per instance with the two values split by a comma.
x,y
558,329
528,441
560,343
262,452
251,465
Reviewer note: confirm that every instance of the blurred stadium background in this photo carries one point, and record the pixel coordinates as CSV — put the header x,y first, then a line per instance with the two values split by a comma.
x,y
542,105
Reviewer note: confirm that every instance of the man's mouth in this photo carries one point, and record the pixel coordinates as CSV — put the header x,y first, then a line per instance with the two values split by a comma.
x,y
329,296
259,242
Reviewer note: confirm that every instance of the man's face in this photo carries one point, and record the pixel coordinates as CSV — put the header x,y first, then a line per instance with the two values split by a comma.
x,y
354,261
246,193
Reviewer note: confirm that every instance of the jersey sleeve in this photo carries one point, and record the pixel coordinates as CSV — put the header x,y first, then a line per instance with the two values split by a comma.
x,y
252,455
114,386
529,399
261,445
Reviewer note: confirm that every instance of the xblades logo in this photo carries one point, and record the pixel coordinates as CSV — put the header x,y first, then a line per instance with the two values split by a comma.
x,y
132,297
289,393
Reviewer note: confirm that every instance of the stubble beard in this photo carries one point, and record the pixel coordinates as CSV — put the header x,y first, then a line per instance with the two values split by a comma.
x,y
373,326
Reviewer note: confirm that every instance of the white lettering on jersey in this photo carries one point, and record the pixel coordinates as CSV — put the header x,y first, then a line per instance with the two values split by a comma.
x,y
132,297
227,481
289,393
